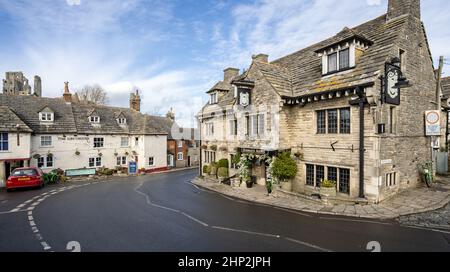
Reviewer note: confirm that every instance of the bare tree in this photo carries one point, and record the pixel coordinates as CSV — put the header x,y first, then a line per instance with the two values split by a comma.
x,y
93,94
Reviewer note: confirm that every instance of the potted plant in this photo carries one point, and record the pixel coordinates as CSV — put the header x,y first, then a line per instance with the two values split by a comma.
x,y
36,156
328,189
244,170
213,171
285,169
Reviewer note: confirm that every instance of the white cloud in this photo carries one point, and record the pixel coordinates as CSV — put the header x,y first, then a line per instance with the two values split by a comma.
x,y
73,2
373,2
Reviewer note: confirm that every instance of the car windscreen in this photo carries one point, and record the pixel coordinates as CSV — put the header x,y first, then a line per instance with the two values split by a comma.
x,y
24,173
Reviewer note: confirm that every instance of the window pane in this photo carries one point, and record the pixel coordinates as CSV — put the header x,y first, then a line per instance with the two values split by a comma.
x,y
332,63
320,175
332,174
345,121
344,59
321,122
254,125
98,161
50,161
332,121
310,175
91,162
261,124
344,181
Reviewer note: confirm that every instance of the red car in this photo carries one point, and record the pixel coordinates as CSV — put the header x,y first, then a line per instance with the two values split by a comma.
x,y
25,177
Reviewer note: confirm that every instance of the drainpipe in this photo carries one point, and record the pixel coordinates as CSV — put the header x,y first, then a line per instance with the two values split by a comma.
x,y
360,102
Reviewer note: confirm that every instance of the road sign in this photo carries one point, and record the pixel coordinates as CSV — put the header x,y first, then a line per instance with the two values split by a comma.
x,y
132,168
433,123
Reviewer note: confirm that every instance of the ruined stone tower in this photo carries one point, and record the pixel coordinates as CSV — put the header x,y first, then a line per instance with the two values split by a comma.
x,y
37,86
15,83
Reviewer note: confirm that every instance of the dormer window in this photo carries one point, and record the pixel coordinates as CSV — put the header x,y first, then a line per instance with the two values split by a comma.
x,y
94,119
122,121
342,55
46,117
213,98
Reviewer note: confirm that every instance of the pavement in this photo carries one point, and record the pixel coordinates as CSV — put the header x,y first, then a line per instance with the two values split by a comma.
x,y
167,213
412,201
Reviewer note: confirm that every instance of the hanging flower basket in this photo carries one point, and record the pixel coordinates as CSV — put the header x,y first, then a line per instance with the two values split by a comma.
x,y
100,154
77,153
223,148
214,147
126,153
204,147
36,156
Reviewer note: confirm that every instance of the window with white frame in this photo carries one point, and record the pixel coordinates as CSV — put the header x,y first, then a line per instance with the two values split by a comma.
x,y
209,129
213,98
180,156
336,61
46,140
151,161
257,125
124,142
95,162
45,161
121,160
122,121
99,142
46,116
4,143
233,124
180,144
94,119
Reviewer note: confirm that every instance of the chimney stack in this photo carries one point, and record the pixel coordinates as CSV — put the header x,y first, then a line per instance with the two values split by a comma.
x,y
171,115
67,95
37,86
135,101
398,8
261,58
229,74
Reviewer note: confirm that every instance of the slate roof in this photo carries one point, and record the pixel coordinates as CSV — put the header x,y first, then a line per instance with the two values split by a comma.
x,y
9,121
221,86
73,118
300,73
446,87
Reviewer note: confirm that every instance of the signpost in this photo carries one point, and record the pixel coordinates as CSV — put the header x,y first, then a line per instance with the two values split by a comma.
x,y
132,168
433,123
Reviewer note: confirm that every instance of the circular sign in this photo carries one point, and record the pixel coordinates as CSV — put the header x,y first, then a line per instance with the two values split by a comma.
x,y
433,117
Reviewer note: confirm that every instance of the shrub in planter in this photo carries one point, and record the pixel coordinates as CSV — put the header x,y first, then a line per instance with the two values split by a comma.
x,y
222,172
284,167
223,163
206,169
328,188
213,169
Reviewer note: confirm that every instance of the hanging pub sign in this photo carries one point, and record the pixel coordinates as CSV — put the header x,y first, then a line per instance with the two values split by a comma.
x,y
391,93
432,123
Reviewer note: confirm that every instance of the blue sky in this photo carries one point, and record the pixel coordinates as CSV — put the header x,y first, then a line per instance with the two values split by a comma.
x,y
174,50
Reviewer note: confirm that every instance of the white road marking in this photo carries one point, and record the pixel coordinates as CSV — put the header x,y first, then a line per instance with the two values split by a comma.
x,y
30,209
30,218
32,224
38,237
30,212
21,206
421,228
35,204
165,208
195,219
14,210
28,201
307,244
35,229
45,246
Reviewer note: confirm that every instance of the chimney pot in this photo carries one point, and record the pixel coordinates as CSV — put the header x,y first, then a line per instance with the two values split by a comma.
x,y
398,8
229,74
261,58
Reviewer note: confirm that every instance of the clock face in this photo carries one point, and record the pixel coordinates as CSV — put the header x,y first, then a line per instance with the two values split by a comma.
x,y
392,80
245,99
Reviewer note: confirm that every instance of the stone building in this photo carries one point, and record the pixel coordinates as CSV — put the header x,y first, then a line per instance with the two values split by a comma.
x,y
351,108
60,133
183,147
15,83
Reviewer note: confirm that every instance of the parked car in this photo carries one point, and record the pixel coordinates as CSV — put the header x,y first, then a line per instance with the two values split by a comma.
x,y
25,177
